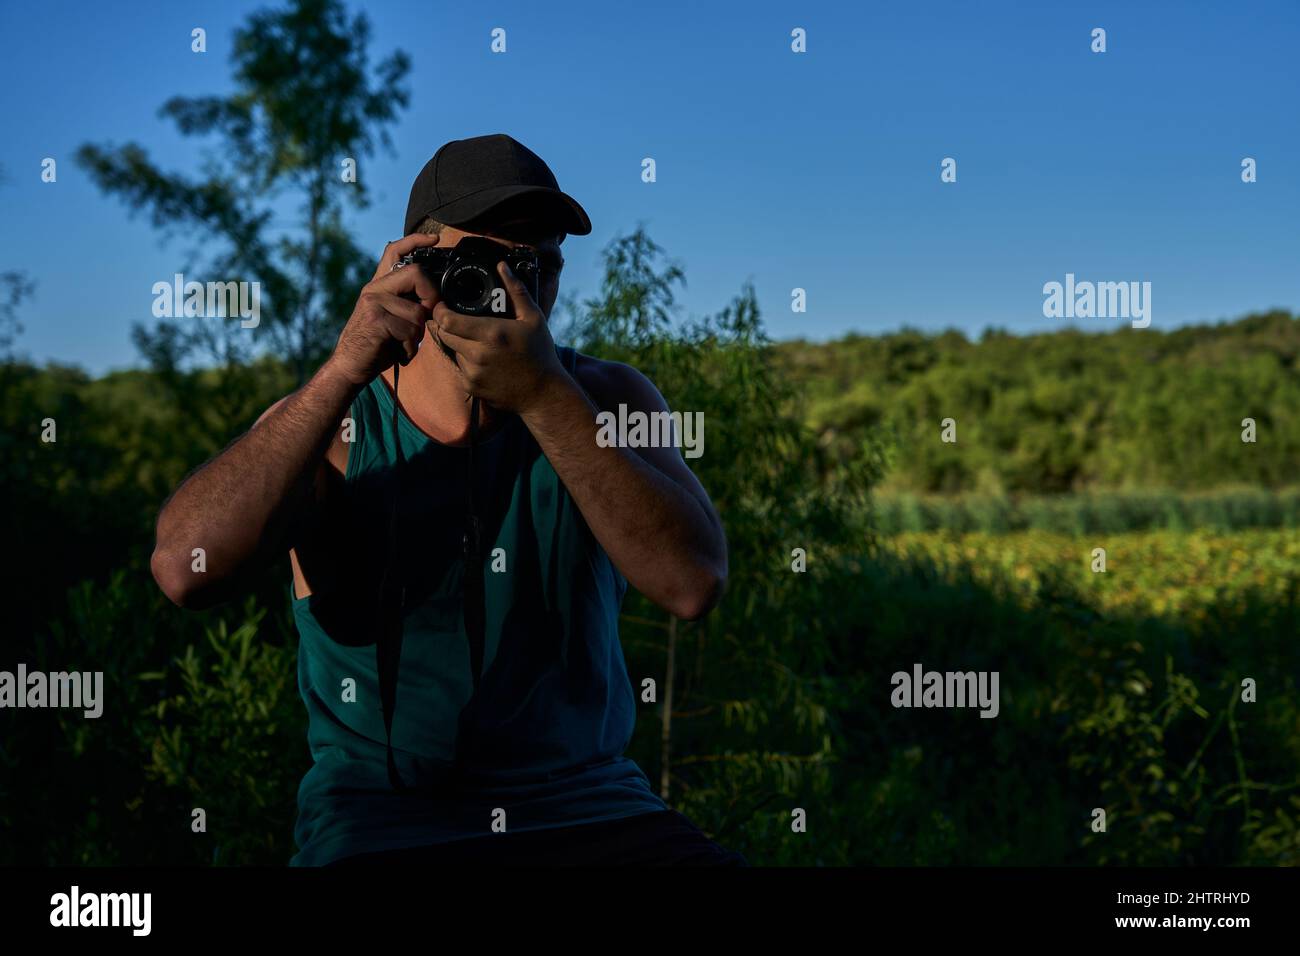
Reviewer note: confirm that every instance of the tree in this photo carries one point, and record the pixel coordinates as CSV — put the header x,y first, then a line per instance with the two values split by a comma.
x,y
305,110
745,722
15,286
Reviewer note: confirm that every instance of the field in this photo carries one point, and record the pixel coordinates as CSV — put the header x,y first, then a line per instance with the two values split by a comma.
x,y
1162,691
1190,578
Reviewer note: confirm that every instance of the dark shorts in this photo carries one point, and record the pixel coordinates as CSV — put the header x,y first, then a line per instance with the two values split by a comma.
x,y
661,838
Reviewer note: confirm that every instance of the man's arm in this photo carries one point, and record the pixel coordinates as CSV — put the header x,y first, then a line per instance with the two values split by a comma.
x,y
644,505
242,508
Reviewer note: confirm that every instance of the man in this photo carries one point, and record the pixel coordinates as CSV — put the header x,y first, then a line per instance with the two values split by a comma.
x,y
460,545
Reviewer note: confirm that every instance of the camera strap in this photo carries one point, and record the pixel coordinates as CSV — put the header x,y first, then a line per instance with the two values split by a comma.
x,y
392,605
392,593
475,600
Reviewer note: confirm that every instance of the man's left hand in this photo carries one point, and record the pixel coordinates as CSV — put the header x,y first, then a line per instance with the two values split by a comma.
x,y
506,362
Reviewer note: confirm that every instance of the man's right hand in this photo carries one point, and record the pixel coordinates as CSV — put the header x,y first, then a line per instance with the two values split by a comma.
x,y
386,328
246,506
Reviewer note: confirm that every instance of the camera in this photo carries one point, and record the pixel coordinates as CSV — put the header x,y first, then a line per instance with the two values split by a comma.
x,y
465,274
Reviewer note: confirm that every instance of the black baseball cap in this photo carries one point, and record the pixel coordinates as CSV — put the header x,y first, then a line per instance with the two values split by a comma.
x,y
468,178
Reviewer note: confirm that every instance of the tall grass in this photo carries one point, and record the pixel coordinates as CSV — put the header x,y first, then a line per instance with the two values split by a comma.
x,y
1229,509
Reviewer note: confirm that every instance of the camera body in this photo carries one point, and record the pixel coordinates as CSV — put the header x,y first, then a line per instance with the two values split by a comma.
x,y
466,278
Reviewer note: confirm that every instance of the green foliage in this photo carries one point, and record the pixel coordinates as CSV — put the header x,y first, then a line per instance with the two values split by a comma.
x,y
222,736
1096,512
1123,690
751,731
199,711
1104,703
14,288
304,99
1065,411
1119,690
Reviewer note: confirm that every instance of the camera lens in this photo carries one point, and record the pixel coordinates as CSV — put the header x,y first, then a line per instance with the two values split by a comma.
x,y
468,288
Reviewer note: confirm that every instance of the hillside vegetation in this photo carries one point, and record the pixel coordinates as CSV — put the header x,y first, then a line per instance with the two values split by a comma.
x,y
1066,411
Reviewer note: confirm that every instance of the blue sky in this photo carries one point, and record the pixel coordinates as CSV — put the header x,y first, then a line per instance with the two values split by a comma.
x,y
818,170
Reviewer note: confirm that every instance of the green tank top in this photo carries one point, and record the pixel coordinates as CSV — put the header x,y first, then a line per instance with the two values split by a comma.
x,y
540,742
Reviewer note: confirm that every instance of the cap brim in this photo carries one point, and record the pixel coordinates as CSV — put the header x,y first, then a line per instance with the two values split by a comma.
x,y
547,206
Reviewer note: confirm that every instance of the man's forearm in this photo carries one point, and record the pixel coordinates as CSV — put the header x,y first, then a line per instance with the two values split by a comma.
x,y
659,534
239,506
